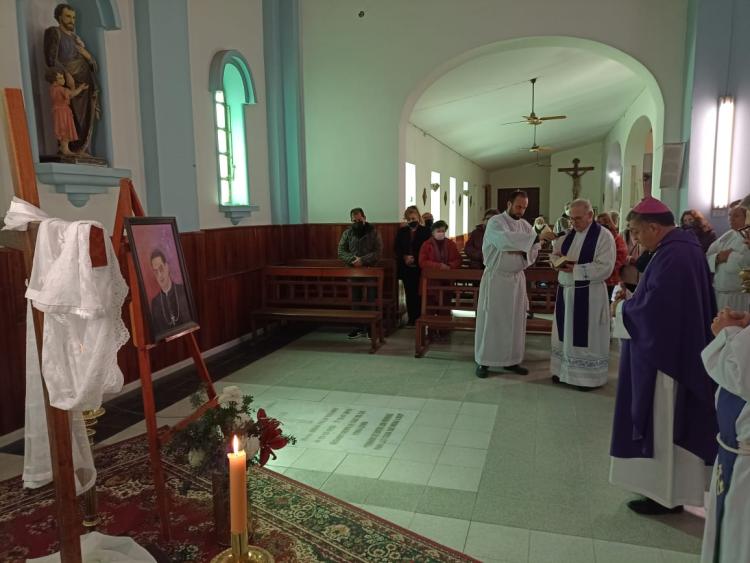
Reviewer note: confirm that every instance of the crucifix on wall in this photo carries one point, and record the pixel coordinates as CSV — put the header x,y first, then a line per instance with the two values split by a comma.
x,y
576,172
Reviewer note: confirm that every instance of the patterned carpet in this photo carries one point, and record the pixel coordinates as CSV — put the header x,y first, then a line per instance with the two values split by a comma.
x,y
294,522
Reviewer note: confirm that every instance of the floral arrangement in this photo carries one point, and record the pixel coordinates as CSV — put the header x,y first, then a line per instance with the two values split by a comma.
x,y
205,442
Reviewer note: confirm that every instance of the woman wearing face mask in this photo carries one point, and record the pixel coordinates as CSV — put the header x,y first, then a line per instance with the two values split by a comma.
x,y
408,243
439,252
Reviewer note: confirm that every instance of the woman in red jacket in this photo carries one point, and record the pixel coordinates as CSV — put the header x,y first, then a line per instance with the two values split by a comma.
x,y
605,220
439,252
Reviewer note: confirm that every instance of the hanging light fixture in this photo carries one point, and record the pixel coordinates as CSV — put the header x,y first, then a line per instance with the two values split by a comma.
x,y
723,153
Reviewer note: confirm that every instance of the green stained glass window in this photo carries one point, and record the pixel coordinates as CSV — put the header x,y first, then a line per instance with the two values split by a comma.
x,y
231,145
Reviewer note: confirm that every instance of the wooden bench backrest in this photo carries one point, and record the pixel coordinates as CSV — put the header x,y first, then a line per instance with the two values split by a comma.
x,y
390,281
444,291
316,287
543,274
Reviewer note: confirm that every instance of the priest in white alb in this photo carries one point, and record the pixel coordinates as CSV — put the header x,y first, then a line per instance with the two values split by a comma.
x,y
664,429
727,360
510,246
726,256
585,258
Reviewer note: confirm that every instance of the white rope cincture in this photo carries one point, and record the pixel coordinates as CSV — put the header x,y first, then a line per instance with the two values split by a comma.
x,y
744,447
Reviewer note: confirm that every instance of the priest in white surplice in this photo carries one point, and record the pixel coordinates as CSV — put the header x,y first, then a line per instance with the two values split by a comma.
x,y
727,360
580,333
664,429
510,246
726,256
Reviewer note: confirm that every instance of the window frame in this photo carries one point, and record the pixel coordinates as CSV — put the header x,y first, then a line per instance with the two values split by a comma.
x,y
234,212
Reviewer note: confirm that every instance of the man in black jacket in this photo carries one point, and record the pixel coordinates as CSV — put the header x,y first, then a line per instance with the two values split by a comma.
x,y
360,246
409,240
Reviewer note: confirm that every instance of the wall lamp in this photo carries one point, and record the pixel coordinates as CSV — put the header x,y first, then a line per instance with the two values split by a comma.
x,y
723,153
615,177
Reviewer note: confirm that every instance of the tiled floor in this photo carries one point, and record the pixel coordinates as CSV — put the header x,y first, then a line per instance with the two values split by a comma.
x,y
508,469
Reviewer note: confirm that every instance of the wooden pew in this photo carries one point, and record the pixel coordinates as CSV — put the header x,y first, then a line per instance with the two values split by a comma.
x,y
446,291
541,287
322,295
443,292
391,313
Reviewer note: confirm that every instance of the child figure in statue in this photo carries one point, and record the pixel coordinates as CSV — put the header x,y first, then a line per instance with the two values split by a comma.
x,y
62,116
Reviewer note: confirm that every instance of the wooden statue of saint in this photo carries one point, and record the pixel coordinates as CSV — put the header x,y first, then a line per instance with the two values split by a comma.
x,y
66,54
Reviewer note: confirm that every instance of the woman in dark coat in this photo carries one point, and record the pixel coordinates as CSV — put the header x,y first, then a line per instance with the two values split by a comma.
x,y
694,221
473,247
409,240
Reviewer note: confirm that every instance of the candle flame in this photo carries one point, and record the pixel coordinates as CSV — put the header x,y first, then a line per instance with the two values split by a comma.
x,y
236,444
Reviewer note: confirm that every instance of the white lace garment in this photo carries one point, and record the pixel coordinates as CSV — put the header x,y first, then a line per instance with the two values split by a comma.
x,y
83,330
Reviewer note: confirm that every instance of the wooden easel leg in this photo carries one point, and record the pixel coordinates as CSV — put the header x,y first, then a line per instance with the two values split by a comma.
x,y
66,502
195,352
154,446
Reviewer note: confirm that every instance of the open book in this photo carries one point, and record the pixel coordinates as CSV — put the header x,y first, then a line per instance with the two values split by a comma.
x,y
559,261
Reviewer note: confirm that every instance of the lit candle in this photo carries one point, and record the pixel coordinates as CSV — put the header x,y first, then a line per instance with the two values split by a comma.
x,y
237,489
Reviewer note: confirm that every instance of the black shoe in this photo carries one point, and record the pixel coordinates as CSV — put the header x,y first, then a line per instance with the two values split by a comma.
x,y
583,388
355,333
517,368
651,507
481,371
555,379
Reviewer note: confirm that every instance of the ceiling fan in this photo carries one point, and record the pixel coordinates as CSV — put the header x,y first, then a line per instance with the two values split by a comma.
x,y
539,163
532,118
536,148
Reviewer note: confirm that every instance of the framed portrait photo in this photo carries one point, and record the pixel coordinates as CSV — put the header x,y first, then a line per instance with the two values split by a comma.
x,y
167,301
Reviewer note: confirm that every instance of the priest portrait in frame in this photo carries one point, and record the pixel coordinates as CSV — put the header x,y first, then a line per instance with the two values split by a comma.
x,y
167,301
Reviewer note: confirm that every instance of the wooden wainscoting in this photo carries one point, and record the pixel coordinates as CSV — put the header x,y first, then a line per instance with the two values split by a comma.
x,y
12,340
224,267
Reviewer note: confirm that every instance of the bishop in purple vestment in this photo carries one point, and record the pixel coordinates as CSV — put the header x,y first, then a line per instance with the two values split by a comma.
x,y
663,437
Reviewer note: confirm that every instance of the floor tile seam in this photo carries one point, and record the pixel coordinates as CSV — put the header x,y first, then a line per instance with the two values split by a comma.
x,y
466,535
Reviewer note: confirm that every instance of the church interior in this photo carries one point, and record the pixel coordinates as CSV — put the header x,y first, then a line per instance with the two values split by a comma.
x,y
182,187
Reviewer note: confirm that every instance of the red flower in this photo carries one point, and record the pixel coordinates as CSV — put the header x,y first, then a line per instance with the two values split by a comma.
x,y
270,437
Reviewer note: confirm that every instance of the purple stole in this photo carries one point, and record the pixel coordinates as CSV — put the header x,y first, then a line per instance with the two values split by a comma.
x,y
581,301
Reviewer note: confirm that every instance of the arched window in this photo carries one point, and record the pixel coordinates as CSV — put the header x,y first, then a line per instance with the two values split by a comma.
x,y
231,83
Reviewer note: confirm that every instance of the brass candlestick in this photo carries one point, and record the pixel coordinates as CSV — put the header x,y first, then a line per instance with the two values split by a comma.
x,y
91,518
241,552
745,277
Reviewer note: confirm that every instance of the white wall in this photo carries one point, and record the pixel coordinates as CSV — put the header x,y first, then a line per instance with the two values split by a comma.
x,y
428,155
124,112
360,72
215,26
524,176
720,69
592,183
643,106
10,77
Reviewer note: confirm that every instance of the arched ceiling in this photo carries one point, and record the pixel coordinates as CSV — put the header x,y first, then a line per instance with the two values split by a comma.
x,y
466,107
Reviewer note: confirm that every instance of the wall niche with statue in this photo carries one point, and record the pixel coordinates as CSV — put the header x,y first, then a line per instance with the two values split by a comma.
x,y
63,64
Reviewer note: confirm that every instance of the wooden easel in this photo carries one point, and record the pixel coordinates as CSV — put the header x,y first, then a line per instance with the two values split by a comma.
x,y
128,205
58,421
